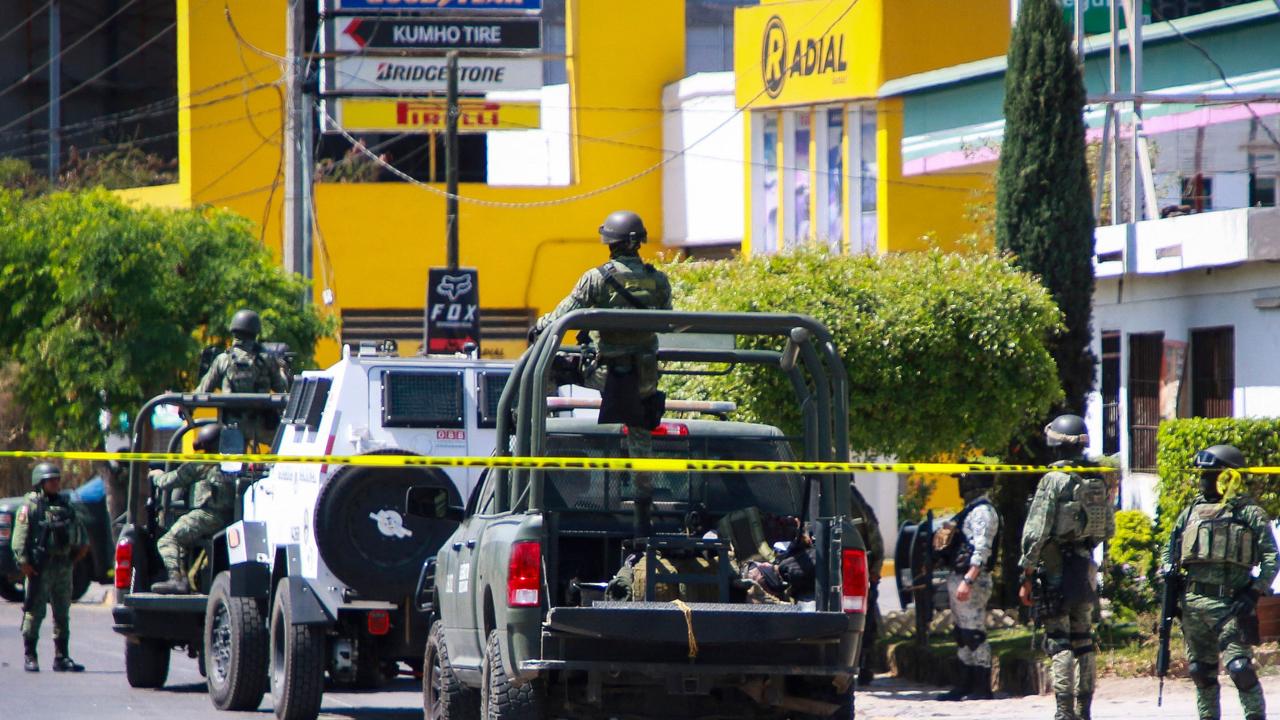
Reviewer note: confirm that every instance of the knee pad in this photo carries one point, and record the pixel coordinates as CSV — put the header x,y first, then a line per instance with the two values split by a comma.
x,y
1055,643
971,639
1081,649
1204,675
1243,674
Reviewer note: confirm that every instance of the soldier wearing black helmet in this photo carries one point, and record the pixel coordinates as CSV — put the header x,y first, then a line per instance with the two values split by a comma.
x,y
626,367
1070,516
211,499
1216,544
245,368
48,539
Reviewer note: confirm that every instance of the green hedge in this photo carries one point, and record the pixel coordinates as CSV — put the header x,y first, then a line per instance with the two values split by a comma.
x,y
1178,441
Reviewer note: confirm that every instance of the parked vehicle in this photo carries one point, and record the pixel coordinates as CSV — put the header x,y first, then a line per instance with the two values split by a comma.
x,y
89,501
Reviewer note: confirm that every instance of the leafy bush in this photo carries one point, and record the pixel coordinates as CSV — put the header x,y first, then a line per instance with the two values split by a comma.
x,y
1131,557
1177,442
946,353
108,304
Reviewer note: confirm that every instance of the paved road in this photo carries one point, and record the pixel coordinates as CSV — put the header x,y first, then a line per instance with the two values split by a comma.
x,y
101,692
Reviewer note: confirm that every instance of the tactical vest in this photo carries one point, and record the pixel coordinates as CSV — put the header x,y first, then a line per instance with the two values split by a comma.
x,y
52,520
625,289
1083,511
1215,535
954,549
246,372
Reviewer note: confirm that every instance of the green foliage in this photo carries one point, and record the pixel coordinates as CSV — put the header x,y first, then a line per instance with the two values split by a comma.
x,y
945,352
1044,213
912,500
1131,555
122,167
108,305
1177,442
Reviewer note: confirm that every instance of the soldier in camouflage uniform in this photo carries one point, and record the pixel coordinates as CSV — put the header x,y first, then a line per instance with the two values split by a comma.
x,y
1217,542
48,540
626,366
864,517
1070,516
244,368
211,498
970,552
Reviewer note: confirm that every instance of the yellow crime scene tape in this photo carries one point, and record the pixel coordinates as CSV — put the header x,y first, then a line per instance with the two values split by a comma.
x,y
561,463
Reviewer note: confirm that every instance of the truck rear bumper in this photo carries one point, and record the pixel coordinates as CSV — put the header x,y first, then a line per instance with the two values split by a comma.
x,y
165,617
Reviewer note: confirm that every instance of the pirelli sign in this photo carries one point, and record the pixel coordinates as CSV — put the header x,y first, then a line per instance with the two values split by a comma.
x,y
404,115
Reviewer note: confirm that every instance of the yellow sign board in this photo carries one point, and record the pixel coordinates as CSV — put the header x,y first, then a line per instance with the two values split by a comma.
x,y
806,52
401,115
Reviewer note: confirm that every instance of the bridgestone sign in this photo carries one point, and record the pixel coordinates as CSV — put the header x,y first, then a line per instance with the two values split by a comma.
x,y
425,75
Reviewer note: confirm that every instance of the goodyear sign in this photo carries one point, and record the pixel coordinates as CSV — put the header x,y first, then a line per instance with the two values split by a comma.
x,y
422,115
805,52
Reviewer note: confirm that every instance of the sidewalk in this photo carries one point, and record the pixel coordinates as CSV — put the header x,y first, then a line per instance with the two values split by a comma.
x,y
1117,699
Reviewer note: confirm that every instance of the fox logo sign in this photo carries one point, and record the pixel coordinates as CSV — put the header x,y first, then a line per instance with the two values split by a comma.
x,y
453,310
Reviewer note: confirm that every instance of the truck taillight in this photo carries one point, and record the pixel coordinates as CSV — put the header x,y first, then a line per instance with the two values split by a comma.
x,y
853,581
524,574
378,622
667,428
124,563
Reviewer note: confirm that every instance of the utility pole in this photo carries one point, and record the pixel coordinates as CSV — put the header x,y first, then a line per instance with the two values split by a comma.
x,y
1114,77
451,163
55,89
297,165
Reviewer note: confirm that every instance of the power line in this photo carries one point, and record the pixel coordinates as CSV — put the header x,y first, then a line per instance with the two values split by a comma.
x,y
69,48
19,25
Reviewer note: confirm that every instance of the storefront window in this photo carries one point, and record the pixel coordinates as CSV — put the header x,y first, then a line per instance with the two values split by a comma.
x,y
800,165
768,182
867,173
835,179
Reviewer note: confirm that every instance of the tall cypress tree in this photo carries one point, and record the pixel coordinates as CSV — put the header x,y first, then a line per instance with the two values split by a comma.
x,y
1044,212
1044,216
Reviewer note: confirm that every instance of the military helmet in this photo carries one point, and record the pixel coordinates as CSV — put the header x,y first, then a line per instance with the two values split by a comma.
x,y
44,471
1066,430
623,225
1220,457
207,438
245,322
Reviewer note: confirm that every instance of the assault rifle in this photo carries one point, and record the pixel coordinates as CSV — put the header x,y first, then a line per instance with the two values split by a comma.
x,y
1169,609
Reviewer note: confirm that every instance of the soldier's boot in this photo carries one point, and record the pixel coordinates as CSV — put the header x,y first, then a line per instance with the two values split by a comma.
x,y
175,585
963,687
1065,707
981,683
30,662
62,661
1084,707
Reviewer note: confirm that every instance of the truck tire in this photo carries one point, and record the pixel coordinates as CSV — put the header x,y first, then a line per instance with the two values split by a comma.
x,y
146,662
12,590
234,658
297,661
500,697
444,697
363,536
827,693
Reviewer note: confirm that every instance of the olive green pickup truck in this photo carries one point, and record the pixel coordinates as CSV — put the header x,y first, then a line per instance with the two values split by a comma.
x,y
540,603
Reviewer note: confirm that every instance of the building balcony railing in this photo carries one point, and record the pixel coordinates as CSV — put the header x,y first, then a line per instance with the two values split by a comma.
x,y
1210,239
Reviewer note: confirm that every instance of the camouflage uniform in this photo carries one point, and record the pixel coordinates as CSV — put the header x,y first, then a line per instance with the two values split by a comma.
x,y
979,528
1215,572
864,517
1062,532
64,536
621,351
212,498
244,369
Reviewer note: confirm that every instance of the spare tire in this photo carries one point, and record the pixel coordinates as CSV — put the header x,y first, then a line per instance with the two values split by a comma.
x,y
363,534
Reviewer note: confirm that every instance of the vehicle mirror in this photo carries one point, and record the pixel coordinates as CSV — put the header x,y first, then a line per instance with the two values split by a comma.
x,y
231,442
431,503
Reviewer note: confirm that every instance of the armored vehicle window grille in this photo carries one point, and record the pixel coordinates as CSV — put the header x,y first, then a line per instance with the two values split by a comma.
x,y
598,491
490,391
307,398
422,399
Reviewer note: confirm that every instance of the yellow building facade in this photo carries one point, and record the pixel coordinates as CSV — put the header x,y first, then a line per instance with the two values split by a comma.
x,y
375,241
824,147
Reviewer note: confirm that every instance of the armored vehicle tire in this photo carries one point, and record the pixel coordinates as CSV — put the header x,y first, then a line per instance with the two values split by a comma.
x,y
444,697
297,661
501,698
234,660
363,535
12,590
146,662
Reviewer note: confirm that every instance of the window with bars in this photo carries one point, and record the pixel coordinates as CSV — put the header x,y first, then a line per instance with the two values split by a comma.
x,y
1110,392
1146,350
1213,377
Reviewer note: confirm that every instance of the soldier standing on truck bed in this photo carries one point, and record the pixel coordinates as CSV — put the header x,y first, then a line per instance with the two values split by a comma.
x,y
1070,516
48,540
211,501
245,368
1217,541
626,362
